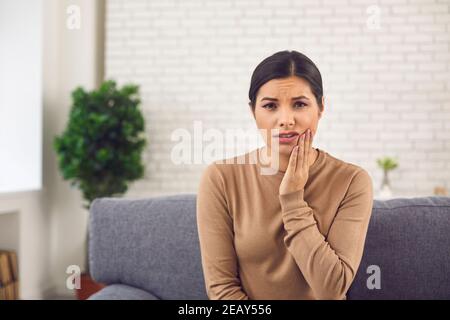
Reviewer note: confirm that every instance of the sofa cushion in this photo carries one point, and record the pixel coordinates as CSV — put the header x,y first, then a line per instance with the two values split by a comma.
x,y
122,292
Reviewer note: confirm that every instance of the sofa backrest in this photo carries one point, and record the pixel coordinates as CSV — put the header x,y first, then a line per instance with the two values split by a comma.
x,y
152,244
408,247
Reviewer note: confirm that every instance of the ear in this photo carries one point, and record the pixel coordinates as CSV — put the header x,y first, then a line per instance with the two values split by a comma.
x,y
323,107
251,109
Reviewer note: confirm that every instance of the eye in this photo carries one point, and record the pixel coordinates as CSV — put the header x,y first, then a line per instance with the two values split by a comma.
x,y
271,106
300,103
267,106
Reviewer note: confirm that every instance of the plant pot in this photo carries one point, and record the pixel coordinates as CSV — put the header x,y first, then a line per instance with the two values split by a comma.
x,y
87,287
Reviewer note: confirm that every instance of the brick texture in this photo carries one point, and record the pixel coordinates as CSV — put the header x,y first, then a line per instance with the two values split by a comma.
x,y
387,90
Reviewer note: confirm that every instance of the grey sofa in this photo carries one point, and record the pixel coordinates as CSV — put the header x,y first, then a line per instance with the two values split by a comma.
x,y
148,249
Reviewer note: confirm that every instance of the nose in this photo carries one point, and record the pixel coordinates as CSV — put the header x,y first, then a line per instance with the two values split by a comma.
x,y
286,119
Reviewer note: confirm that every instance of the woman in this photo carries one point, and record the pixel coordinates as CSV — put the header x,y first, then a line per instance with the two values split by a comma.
x,y
295,234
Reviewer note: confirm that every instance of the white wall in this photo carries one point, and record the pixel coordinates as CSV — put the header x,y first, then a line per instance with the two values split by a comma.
x,y
50,224
20,95
387,91
23,216
71,59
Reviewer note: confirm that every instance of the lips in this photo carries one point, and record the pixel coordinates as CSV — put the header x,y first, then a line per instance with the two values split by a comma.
x,y
286,134
287,137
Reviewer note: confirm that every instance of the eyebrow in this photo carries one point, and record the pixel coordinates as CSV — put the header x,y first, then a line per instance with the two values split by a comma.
x,y
274,99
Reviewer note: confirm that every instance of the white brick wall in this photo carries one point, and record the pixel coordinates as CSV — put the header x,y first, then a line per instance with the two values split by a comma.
x,y
387,91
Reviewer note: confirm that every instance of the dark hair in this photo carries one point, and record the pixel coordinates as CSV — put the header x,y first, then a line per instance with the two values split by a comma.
x,y
284,64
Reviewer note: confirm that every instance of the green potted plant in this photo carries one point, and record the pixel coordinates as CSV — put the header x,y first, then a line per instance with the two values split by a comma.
x,y
386,164
100,149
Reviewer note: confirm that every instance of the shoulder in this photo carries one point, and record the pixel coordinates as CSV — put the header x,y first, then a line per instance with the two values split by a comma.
x,y
217,172
218,179
352,182
211,174
228,168
344,167
350,173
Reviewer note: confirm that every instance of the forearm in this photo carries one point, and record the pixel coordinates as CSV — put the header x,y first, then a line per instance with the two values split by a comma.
x,y
329,273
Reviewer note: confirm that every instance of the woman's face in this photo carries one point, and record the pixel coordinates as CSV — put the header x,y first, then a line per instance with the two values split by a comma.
x,y
286,104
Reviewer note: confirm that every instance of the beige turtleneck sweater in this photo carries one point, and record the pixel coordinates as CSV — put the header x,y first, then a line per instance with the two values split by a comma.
x,y
257,244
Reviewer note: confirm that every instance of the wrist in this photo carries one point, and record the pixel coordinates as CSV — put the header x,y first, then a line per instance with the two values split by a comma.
x,y
292,200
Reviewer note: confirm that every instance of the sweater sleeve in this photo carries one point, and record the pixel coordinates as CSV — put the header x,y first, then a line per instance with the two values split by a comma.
x,y
329,264
216,235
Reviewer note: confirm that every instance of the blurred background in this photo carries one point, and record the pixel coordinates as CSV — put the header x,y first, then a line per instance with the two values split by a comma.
x,y
385,70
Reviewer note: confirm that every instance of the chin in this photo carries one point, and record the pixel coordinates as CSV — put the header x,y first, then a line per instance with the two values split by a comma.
x,y
285,149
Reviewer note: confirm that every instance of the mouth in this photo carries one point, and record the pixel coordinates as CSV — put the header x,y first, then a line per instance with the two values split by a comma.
x,y
286,134
286,138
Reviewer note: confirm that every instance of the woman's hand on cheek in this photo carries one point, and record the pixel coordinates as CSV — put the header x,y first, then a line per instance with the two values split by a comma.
x,y
297,172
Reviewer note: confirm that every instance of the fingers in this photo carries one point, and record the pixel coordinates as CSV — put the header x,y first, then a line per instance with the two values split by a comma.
x,y
299,162
304,149
307,141
311,152
307,147
292,165
303,153
299,152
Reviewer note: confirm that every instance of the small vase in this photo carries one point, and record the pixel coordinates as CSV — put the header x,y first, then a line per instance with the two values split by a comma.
x,y
385,190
